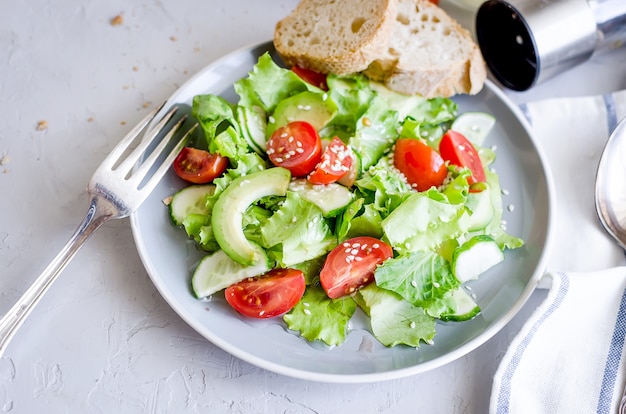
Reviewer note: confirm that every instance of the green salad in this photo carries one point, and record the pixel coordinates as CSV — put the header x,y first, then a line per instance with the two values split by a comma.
x,y
315,196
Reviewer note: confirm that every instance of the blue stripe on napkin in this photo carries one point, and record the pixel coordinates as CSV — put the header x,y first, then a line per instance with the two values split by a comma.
x,y
612,360
505,390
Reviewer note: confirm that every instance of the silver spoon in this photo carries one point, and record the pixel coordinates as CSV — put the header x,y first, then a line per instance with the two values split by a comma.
x,y
611,195
611,185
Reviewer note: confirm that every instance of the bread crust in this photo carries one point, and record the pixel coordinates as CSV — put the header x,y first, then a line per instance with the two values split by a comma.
x,y
334,36
429,54
412,46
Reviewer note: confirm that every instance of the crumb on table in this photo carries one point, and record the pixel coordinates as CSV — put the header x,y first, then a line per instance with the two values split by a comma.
x,y
117,20
41,125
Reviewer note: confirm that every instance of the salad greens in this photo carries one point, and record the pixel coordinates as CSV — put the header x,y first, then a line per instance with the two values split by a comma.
x,y
417,286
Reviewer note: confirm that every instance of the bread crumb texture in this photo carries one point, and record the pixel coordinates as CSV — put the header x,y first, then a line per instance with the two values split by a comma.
x,y
412,46
333,35
429,54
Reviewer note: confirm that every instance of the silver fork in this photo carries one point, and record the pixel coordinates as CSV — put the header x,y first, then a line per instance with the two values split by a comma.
x,y
117,188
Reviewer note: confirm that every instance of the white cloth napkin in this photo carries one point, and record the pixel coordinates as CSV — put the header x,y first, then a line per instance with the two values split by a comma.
x,y
568,356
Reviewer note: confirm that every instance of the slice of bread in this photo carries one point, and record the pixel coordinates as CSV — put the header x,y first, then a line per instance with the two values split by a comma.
x,y
429,54
335,36
412,46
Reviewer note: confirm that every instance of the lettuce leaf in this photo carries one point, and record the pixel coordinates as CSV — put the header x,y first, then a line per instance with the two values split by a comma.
x,y
268,84
423,278
318,318
395,321
421,223
297,232
376,131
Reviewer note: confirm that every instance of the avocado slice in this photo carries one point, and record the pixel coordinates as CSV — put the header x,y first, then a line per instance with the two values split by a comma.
x,y
231,205
313,107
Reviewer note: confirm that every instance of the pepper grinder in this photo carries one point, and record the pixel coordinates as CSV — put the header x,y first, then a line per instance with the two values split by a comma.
x,y
525,42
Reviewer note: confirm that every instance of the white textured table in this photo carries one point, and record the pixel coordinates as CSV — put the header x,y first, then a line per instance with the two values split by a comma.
x,y
103,340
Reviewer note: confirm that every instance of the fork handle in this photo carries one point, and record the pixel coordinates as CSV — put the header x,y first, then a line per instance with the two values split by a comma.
x,y
99,212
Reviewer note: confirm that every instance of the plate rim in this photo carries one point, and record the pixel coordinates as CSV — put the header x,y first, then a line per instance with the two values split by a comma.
x,y
422,367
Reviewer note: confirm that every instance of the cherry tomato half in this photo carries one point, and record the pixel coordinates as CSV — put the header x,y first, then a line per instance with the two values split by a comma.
x,y
422,165
268,295
312,77
351,265
296,147
199,166
458,150
336,162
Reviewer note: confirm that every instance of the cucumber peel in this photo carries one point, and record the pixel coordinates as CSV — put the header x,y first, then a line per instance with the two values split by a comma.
x,y
218,271
466,306
475,256
189,200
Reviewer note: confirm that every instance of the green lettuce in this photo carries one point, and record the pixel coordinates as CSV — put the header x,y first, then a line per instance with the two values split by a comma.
x,y
318,318
268,84
423,278
297,232
394,321
422,223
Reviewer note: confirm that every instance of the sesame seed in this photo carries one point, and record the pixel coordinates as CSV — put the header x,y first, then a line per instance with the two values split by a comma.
x,y
510,207
412,325
307,312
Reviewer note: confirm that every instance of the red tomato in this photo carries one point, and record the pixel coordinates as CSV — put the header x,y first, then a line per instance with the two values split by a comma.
x,y
199,166
422,165
296,147
312,77
268,295
458,150
336,162
351,265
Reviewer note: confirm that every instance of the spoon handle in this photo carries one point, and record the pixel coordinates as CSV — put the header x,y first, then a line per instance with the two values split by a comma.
x,y
622,403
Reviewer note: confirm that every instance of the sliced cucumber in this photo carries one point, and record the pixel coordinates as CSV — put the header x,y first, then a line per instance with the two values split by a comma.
x,y
229,208
466,306
481,208
475,256
189,200
218,271
332,198
315,108
253,125
475,126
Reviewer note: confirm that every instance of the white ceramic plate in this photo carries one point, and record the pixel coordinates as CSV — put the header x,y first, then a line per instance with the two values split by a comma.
x,y
168,257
